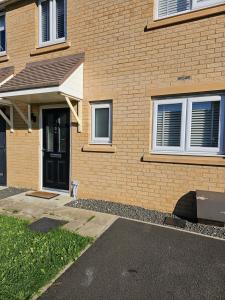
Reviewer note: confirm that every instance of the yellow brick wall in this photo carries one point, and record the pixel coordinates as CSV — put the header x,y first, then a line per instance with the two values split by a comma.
x,y
122,62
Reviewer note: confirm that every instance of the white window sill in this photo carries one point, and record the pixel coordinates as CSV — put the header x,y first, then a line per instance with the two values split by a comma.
x,y
100,143
3,53
51,43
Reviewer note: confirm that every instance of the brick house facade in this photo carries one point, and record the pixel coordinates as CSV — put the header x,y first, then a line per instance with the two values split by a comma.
x,y
131,60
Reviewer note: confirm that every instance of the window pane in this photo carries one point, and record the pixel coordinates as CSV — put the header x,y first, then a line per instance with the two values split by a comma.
x,y
2,33
60,19
45,21
171,7
2,41
101,122
205,124
2,22
169,125
50,133
62,133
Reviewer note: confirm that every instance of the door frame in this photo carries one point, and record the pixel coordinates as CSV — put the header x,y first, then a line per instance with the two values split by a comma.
x,y
5,184
44,107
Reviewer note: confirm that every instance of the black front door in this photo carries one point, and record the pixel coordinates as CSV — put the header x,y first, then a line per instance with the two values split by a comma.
x,y
2,151
56,148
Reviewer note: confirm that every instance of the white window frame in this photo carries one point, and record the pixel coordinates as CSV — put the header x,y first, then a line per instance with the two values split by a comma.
x,y
52,23
185,147
98,140
194,6
155,125
212,150
4,52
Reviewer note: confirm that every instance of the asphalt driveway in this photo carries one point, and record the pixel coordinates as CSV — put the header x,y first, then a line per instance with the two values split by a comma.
x,y
133,260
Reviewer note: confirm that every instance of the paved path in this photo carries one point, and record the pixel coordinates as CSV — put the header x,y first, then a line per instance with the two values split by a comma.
x,y
84,222
137,261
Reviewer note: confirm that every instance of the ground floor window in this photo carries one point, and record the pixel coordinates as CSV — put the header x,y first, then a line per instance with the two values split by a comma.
x,y
189,125
101,123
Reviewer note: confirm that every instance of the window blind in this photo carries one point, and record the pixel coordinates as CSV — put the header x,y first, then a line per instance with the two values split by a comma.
x,y
169,125
45,21
205,124
60,19
172,7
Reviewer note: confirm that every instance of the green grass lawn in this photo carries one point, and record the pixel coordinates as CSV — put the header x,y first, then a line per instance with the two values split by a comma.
x,y
29,260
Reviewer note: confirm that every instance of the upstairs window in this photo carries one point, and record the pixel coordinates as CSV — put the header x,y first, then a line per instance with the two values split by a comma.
x,y
166,8
52,21
191,125
2,34
101,123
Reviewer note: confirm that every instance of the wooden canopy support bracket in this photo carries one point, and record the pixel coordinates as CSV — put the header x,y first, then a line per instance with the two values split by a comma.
x,y
77,116
12,105
8,121
80,114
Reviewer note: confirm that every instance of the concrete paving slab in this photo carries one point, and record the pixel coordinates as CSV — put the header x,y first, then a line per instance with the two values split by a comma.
x,y
102,219
45,225
92,229
74,225
133,261
32,208
10,191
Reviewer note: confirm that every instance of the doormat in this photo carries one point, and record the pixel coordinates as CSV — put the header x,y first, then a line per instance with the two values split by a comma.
x,y
44,225
44,195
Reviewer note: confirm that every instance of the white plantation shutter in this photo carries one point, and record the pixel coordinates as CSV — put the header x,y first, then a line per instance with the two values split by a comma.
x,y
60,19
205,124
45,21
172,7
169,125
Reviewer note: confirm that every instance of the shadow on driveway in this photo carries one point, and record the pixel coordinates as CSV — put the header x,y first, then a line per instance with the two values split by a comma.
x,y
133,260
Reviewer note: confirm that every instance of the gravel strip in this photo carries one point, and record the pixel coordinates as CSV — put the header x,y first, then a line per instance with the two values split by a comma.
x,y
141,214
10,191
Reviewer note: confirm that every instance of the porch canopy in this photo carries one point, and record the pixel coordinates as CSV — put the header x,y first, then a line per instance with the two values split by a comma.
x,y
55,80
